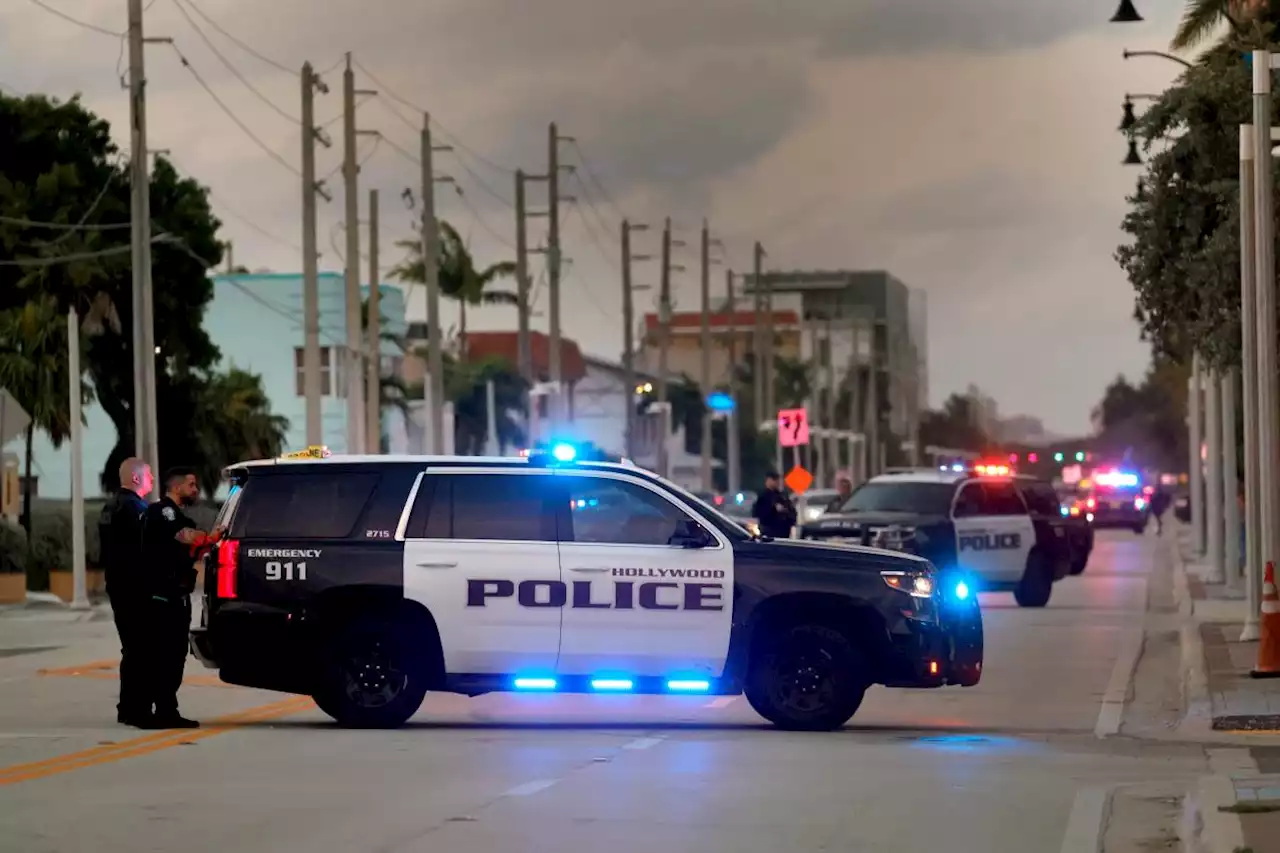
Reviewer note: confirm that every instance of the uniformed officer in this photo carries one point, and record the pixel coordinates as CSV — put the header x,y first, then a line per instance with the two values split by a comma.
x,y
169,541
120,541
773,510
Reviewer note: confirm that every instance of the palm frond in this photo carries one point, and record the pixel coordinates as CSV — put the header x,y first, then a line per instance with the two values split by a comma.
x,y
1199,21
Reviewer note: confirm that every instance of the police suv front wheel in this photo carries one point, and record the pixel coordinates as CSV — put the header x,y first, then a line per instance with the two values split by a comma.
x,y
1037,582
372,676
809,678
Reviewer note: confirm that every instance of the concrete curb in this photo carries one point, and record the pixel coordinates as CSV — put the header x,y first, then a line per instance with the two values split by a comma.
x,y
1197,715
1212,830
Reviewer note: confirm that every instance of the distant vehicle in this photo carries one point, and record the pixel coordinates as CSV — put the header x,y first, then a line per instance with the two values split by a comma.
x,y
813,503
1116,498
1078,533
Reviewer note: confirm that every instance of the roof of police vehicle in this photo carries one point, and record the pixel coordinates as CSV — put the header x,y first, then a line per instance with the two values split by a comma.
x,y
356,460
922,475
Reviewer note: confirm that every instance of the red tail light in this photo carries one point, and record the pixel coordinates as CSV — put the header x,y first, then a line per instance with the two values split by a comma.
x,y
1091,503
228,567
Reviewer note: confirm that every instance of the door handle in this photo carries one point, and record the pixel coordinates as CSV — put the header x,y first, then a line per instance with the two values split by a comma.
x,y
437,565
595,569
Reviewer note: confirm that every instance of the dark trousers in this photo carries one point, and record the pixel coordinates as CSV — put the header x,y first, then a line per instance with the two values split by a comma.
x,y
167,626
130,618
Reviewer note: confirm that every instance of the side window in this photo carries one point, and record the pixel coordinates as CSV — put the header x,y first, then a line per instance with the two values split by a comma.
x,y
969,502
430,517
1041,499
492,506
1002,499
228,510
605,511
316,505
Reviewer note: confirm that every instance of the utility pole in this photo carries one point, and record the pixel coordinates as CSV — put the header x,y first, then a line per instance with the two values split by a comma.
x,y
873,406
705,345
628,342
524,349
760,366
1249,362
1230,476
79,587
311,83
733,451
373,372
353,364
1195,413
1265,313
1213,477
431,268
144,347
554,260
230,252
831,448
664,341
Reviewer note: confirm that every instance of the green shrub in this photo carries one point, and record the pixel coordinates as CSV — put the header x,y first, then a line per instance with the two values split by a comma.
x,y
13,548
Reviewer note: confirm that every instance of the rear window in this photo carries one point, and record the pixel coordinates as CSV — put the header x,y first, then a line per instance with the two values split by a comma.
x,y
922,498
301,506
507,507
1041,498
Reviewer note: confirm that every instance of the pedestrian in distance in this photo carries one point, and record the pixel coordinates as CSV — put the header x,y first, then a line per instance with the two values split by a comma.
x,y
1159,506
844,489
170,542
773,510
120,541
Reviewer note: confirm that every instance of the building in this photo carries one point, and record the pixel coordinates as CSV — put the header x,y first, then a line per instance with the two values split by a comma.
x,y
983,411
256,322
732,336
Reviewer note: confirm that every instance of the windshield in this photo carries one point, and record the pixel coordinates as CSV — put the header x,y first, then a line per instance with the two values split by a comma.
x,y
920,498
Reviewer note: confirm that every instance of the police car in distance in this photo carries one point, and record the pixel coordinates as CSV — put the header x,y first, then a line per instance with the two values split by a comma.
x,y
979,524
367,581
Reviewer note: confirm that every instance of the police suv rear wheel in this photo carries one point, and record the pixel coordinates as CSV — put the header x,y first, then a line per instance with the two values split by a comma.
x,y
809,678
372,678
1037,582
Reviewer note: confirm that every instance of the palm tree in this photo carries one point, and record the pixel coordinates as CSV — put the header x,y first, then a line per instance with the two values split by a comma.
x,y
33,369
460,279
237,424
393,392
1201,18
465,385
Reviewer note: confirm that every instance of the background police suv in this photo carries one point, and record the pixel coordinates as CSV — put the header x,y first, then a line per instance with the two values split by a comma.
x,y
368,581
982,526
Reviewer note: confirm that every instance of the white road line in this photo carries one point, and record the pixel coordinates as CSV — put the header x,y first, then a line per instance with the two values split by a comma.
x,y
1111,713
642,743
530,788
721,702
1087,822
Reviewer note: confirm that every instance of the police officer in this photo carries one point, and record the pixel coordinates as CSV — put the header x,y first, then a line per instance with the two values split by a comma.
x,y
120,540
170,539
773,509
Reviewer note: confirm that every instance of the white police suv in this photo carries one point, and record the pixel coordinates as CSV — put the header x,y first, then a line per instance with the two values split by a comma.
x,y
367,581
981,526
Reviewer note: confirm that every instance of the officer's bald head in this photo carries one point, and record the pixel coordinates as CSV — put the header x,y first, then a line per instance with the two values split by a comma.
x,y
135,475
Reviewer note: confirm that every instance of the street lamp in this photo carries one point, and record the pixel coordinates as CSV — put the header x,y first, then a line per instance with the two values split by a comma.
x,y
1129,120
1127,124
1133,158
1126,14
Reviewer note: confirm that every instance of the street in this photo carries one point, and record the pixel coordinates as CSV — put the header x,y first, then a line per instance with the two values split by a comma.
x,y
1039,757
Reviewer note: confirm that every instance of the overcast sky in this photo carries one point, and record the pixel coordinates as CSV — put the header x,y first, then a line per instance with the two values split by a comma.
x,y
968,146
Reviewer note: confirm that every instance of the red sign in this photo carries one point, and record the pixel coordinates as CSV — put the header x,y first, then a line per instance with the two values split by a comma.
x,y
793,427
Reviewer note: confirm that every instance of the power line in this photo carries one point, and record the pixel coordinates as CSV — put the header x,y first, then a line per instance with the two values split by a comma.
x,y
231,115
78,256
231,67
595,240
79,23
240,44
586,167
235,214
595,211
483,223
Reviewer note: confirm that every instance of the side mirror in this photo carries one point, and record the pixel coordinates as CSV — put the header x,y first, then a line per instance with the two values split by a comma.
x,y
690,534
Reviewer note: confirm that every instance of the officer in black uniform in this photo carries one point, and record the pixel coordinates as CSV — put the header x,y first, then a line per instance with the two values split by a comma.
x,y
773,510
120,538
170,540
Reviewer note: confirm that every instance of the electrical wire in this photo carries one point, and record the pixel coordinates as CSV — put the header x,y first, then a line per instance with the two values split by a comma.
x,y
80,225
231,66
591,174
79,256
595,211
483,223
235,214
231,115
240,44
595,240
79,23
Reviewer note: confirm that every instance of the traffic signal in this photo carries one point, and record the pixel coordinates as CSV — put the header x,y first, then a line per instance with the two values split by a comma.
x,y
1033,458
1058,457
1079,455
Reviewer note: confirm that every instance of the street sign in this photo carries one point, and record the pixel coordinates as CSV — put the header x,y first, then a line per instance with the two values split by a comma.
x,y
793,427
798,480
719,401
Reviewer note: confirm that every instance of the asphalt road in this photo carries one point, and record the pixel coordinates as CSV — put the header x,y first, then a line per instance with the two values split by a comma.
x,y
1023,762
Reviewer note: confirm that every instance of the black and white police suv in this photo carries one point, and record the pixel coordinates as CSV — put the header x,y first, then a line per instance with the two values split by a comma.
x,y
983,528
367,581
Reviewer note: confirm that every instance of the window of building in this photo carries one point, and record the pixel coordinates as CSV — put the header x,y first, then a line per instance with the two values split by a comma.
x,y
326,371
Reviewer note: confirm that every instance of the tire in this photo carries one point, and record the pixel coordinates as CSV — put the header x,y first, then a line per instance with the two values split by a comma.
x,y
1079,562
1140,529
373,677
1036,585
809,678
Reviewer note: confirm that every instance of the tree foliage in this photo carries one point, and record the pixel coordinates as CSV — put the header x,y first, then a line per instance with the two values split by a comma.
x,y
1147,421
1183,258
953,426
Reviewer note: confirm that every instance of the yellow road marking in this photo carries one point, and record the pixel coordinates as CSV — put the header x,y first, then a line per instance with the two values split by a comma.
x,y
82,669
147,744
109,670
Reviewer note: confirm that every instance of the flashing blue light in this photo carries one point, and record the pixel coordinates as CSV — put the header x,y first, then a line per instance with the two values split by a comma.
x,y
564,452
720,402
691,685
739,498
1064,511
614,684
535,684
958,468
962,591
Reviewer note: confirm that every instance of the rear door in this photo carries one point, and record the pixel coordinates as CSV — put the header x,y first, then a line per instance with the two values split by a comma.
x,y
480,553
1053,530
994,533
639,605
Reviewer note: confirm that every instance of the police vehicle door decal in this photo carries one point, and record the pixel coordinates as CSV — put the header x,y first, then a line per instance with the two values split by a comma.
x,y
994,533
483,559
639,602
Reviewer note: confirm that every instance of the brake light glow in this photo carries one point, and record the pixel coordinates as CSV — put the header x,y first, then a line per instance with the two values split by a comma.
x,y
992,470
228,568
1091,503
1139,503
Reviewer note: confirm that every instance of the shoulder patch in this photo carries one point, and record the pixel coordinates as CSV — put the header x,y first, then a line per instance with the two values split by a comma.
x,y
168,513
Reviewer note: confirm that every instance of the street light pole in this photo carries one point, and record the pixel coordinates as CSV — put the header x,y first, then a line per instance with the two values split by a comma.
x,y
1249,372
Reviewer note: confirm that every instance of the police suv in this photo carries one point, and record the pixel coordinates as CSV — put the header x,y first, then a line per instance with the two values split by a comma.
x,y
367,581
983,527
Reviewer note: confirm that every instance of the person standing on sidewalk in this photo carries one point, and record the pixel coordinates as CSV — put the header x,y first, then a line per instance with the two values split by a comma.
x,y
1159,506
120,541
169,541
